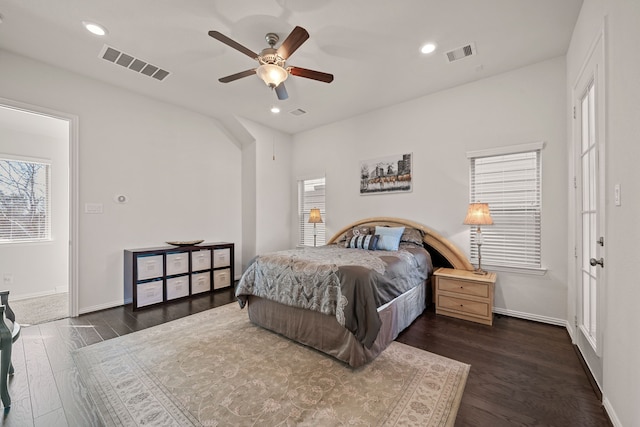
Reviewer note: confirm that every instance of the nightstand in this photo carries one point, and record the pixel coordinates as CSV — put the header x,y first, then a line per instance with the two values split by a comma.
x,y
465,295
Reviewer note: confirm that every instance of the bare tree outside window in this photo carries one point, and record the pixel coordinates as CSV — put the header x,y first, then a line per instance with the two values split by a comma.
x,y
24,201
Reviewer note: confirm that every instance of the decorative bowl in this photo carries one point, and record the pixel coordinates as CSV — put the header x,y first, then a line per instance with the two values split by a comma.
x,y
185,242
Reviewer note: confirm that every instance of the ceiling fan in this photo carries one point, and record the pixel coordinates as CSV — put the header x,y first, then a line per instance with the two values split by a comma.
x,y
272,69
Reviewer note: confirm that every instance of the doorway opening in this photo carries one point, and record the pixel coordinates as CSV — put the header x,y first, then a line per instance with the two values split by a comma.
x,y
37,205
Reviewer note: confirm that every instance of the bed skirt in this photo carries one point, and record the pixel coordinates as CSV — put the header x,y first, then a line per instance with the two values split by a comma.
x,y
324,333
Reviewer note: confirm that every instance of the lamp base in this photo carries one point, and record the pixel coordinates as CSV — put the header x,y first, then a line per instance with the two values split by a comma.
x,y
480,271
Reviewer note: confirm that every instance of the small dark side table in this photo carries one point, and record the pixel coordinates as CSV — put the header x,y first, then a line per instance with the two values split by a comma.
x,y
9,333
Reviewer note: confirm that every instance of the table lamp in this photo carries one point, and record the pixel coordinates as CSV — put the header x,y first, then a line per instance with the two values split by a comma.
x,y
314,218
478,214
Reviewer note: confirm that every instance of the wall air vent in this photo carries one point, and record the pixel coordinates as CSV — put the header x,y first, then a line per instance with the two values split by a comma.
x,y
298,112
138,65
461,52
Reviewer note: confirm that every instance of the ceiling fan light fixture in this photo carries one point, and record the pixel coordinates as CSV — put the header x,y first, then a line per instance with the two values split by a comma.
x,y
272,75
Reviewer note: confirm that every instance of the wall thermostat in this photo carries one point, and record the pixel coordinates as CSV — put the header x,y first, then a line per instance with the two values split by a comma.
x,y
121,198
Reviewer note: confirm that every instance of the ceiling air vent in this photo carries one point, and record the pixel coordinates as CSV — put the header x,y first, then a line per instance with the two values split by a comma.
x,y
138,65
461,52
298,112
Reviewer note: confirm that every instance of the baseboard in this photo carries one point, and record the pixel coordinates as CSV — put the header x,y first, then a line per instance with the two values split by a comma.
x,y
529,316
587,370
611,413
99,307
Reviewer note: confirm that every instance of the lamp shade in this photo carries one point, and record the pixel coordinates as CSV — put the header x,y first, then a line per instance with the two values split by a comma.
x,y
314,216
478,214
272,74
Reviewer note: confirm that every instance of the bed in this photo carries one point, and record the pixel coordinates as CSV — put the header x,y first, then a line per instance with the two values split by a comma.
x,y
350,303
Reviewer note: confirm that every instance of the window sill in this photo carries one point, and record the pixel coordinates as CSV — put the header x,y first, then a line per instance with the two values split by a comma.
x,y
518,270
25,242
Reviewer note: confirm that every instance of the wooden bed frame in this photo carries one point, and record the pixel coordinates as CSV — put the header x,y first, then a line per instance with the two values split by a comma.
x,y
324,333
443,247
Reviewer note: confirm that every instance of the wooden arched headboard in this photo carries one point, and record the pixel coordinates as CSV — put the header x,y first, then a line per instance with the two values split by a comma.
x,y
432,239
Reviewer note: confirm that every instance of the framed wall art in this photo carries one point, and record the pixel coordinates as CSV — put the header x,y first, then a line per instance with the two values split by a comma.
x,y
389,174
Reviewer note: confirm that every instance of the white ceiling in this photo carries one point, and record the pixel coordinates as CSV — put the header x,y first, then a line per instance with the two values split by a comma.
x,y
370,46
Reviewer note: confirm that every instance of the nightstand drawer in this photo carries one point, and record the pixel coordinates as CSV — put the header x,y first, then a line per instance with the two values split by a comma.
x,y
474,308
464,287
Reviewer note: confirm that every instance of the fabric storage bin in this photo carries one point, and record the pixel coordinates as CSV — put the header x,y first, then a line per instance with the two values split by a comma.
x,y
149,267
221,278
177,287
177,263
200,282
149,293
221,257
201,260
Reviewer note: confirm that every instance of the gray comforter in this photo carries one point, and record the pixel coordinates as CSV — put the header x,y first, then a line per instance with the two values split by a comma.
x,y
349,284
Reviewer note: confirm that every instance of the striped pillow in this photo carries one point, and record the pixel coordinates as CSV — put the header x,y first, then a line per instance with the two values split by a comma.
x,y
368,241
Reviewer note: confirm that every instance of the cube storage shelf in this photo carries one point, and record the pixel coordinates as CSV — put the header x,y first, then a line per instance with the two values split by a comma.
x,y
162,274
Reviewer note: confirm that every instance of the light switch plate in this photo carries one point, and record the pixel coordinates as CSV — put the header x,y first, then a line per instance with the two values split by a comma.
x,y
93,208
616,193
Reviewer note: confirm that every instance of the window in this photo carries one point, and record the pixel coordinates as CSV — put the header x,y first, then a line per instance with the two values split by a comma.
x,y
509,180
311,195
24,201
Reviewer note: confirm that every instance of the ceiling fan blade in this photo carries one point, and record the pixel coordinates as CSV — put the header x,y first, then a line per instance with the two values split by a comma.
x,y
281,92
310,74
237,76
232,43
293,41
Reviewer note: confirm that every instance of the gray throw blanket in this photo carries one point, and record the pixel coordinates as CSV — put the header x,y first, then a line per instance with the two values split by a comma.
x,y
349,284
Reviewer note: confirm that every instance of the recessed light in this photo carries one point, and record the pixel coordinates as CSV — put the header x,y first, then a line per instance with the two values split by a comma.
x,y
275,110
94,28
428,48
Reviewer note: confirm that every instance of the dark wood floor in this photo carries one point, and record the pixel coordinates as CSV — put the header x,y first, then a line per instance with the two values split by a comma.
x,y
522,373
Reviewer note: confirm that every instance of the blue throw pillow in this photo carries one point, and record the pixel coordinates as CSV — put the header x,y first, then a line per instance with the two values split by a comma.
x,y
389,239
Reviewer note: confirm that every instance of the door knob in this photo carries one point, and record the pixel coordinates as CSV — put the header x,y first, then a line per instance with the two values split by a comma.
x,y
595,262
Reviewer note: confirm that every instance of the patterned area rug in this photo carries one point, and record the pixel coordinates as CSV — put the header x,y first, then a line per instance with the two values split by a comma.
x,y
216,369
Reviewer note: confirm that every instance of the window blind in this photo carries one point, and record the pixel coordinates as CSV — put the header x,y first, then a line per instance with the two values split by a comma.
x,y
511,185
311,194
24,201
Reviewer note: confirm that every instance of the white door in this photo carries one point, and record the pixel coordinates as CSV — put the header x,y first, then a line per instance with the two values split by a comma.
x,y
589,139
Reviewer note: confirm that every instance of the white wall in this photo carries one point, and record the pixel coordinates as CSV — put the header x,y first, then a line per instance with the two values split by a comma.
x,y
40,268
181,172
249,204
521,106
267,167
621,376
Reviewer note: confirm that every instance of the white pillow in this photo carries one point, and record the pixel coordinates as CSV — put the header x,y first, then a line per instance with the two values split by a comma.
x,y
389,239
